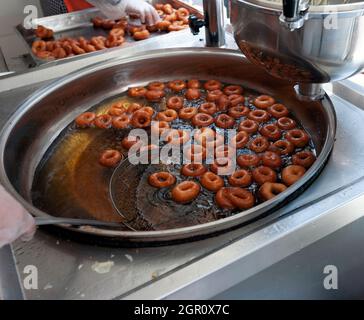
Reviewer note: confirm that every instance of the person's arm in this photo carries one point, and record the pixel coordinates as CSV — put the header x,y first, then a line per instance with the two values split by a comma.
x,y
15,221
116,9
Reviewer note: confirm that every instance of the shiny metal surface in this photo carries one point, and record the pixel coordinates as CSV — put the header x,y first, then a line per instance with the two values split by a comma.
x,y
294,13
214,23
78,23
43,221
206,267
328,47
23,144
10,287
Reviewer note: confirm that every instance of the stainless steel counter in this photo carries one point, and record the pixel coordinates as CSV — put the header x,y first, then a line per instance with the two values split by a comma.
x,y
70,270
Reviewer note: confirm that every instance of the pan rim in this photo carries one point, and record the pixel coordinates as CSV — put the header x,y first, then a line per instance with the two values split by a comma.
x,y
170,234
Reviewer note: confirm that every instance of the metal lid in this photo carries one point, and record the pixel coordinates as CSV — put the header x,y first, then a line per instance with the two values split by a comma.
x,y
315,5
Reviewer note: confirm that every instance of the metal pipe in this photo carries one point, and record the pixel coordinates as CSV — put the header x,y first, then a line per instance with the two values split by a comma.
x,y
309,91
214,23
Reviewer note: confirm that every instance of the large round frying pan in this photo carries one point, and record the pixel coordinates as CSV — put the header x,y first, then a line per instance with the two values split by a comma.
x,y
41,118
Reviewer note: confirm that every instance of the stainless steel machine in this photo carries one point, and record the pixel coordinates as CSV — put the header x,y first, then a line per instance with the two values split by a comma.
x,y
307,42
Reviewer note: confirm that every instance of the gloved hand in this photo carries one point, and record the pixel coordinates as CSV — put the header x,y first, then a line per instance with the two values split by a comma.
x,y
146,12
15,221
116,9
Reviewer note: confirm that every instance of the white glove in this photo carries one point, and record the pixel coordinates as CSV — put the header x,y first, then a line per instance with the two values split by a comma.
x,y
116,9
146,12
15,221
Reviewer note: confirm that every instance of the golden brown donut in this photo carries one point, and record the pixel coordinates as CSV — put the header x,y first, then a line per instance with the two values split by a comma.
x,y
259,115
224,121
233,89
241,178
46,55
222,166
208,108
43,32
177,26
177,85
141,119
271,159
175,103
304,158
223,103
186,191
298,137
278,110
188,113
292,174
154,95
284,147
193,84
163,25
286,123
212,85
39,45
202,120
192,94
212,181
108,24
59,53
271,132
236,100
117,32
223,200
214,95
103,121
248,160
259,144
241,198
156,85
193,169
141,35
240,140
161,179
137,92
148,110
168,115
129,141
110,158
270,189
264,174
134,107
264,101
85,120
168,9
121,122
248,126
182,14
238,112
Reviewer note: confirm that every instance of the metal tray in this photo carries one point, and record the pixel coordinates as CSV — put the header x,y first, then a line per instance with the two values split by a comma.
x,y
78,24
22,150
